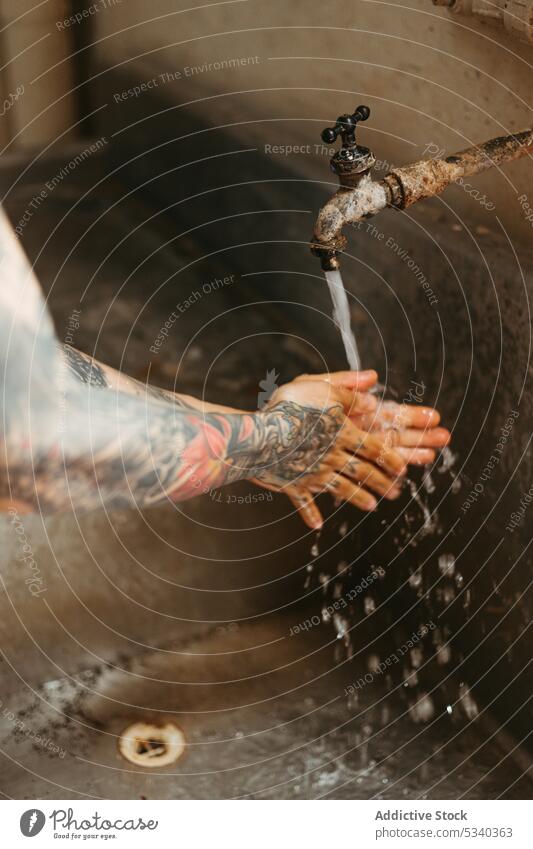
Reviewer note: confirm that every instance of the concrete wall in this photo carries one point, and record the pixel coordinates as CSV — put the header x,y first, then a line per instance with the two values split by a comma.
x,y
429,77
37,79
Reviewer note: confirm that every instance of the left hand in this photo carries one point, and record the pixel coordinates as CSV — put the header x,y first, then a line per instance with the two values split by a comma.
x,y
409,431
409,428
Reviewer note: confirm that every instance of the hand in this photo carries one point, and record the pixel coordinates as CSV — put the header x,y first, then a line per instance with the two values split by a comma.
x,y
409,428
339,456
355,462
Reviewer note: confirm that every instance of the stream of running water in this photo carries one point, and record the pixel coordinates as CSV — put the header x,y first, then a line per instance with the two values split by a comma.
x,y
341,317
420,520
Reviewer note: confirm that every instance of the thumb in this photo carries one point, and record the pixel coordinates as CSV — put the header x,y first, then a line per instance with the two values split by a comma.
x,y
362,380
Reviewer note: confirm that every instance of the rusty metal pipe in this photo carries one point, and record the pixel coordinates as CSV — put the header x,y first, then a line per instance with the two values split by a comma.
x,y
404,186
430,177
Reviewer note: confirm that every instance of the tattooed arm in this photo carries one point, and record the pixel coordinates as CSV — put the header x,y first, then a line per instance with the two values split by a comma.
x,y
147,445
76,432
119,448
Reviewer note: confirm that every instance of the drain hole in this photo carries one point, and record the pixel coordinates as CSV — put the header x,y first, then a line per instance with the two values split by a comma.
x,y
151,745
153,748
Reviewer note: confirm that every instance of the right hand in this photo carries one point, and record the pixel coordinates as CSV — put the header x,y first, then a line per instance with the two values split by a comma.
x,y
337,456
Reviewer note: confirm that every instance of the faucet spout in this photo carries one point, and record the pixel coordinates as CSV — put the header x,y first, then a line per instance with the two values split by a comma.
x,y
403,187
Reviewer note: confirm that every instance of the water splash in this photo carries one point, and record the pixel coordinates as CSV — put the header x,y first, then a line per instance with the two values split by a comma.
x,y
431,519
448,460
341,317
447,565
419,521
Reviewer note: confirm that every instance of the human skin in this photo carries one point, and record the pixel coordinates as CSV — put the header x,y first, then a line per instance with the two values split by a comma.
x,y
78,434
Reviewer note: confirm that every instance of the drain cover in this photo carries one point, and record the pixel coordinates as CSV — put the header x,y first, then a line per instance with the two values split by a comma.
x,y
151,745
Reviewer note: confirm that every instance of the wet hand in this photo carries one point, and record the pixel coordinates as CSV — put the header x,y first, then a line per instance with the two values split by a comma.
x,y
353,464
411,429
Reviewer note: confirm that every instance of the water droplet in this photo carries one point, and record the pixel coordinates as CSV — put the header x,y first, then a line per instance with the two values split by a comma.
x,y
315,551
415,579
341,626
447,565
448,459
443,655
324,580
431,520
369,605
411,678
468,703
373,663
423,710
417,657
353,702
428,484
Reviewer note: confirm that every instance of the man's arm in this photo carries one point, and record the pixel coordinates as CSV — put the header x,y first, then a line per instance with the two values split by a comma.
x,y
138,446
78,433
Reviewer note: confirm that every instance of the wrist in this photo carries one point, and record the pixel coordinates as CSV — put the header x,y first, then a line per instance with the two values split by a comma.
x,y
294,440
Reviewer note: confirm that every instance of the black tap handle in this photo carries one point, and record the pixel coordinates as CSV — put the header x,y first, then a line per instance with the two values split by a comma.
x,y
345,126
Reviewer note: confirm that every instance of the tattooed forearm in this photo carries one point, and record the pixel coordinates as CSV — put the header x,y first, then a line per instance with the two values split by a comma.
x,y
77,433
151,452
122,444
277,446
84,368
89,370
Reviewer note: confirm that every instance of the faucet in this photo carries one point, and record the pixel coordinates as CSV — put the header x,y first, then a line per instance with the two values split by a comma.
x,y
360,197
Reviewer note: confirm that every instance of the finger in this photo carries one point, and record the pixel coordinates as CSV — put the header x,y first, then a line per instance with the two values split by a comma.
x,y
435,437
347,490
355,403
361,380
390,414
371,447
263,485
306,507
368,475
417,456
409,415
